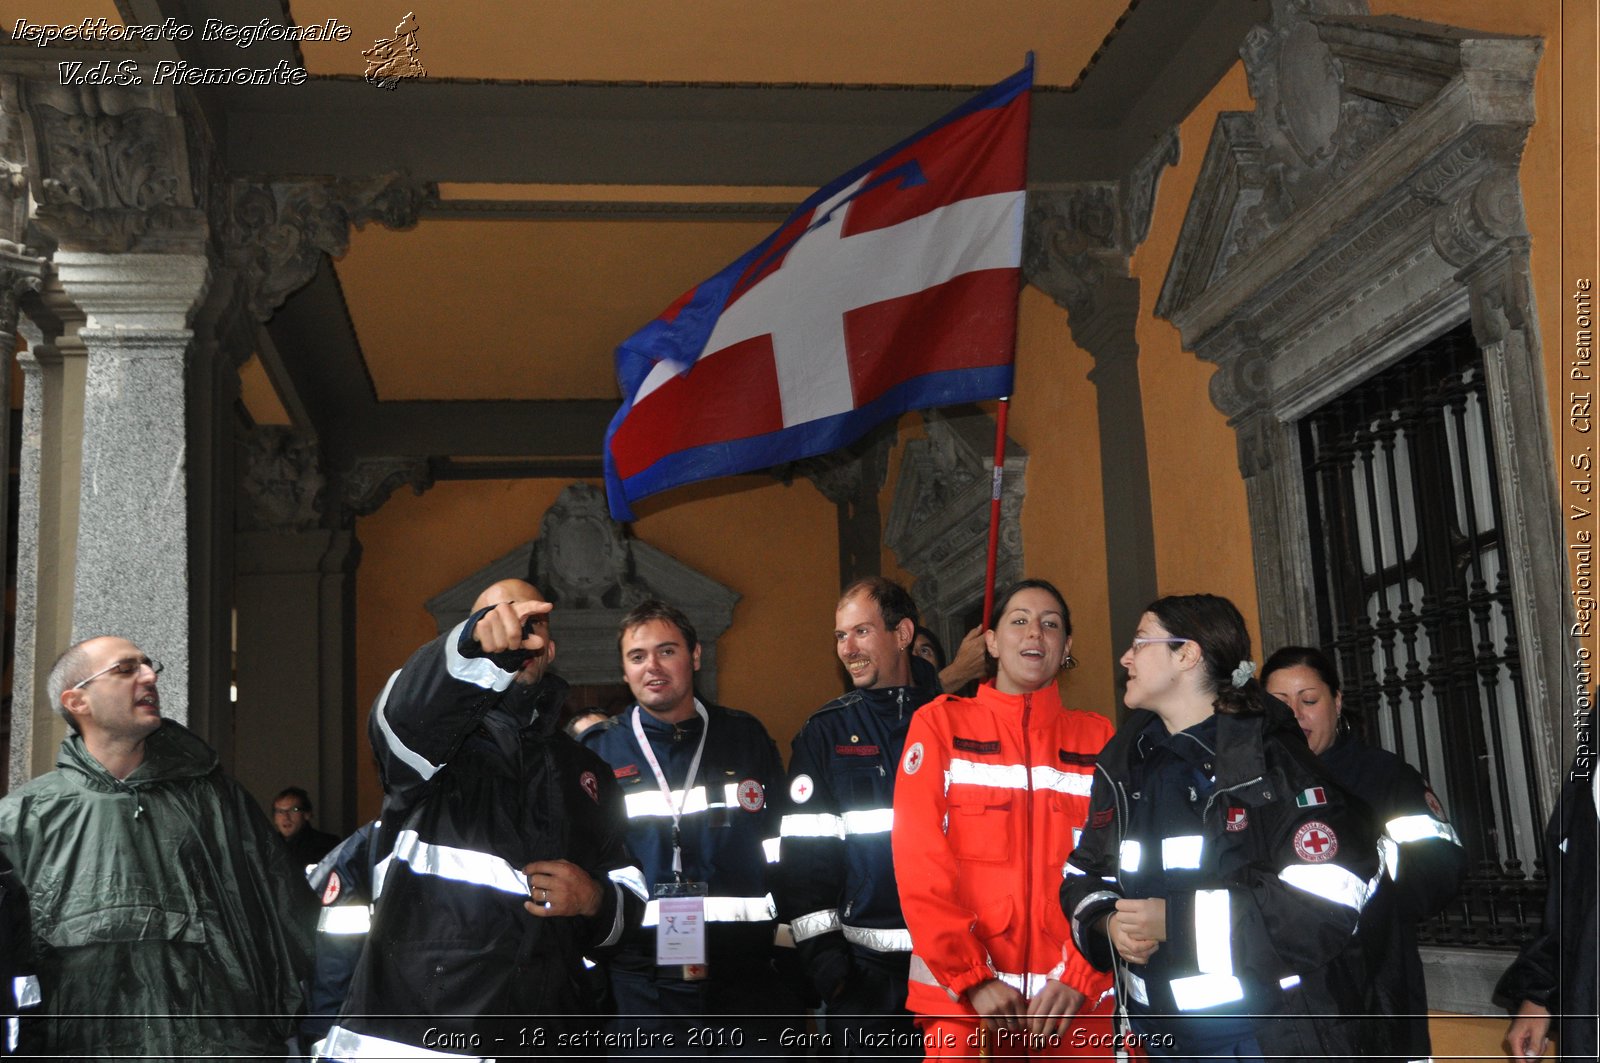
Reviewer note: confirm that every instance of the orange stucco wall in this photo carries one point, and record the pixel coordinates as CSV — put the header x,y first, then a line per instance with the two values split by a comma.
x,y
773,544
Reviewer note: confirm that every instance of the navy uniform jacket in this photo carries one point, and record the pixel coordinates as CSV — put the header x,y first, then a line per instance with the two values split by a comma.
x,y
478,782
1423,863
1265,868
729,827
836,879
1556,970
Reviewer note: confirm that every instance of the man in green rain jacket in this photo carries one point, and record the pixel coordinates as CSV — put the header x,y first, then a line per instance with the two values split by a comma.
x,y
167,921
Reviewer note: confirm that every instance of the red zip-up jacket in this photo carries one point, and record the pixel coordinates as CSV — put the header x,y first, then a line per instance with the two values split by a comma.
x,y
991,793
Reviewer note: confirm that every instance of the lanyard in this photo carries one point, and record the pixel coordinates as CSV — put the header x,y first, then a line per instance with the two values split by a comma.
x,y
666,790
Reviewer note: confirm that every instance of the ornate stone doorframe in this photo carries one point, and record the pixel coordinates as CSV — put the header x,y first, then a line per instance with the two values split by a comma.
x,y
1368,204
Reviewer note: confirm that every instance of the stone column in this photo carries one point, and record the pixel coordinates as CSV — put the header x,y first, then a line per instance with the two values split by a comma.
x,y
294,595
132,574
47,521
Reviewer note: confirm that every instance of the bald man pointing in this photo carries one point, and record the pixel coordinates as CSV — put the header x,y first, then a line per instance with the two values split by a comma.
x,y
507,860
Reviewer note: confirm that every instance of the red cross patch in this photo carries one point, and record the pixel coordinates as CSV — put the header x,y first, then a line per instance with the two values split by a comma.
x,y
801,789
1238,819
330,892
591,785
913,759
1315,842
751,796
1434,806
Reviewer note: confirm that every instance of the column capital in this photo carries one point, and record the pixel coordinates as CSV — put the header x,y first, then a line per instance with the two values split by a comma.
x,y
135,292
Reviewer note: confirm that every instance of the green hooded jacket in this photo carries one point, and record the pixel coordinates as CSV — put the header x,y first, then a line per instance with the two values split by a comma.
x,y
167,920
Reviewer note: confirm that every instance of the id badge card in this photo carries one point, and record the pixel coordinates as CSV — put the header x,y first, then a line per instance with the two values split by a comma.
x,y
681,928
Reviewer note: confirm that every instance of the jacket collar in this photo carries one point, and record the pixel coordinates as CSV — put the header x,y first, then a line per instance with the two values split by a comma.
x,y
171,753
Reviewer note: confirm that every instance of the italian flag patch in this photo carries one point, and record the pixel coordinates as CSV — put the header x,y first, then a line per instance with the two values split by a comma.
x,y
1312,797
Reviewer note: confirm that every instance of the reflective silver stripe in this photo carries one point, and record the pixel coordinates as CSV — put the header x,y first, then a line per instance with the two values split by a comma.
x,y
1182,851
643,803
1415,828
1137,990
1289,982
1004,776
1077,836
459,865
1028,985
922,973
346,1044
879,940
13,1034
412,759
1389,857
769,846
809,926
345,919
812,825
1062,782
631,879
1093,898
869,821
1205,991
724,910
1130,856
1213,931
380,871
479,671
25,991
1330,882
1018,776
1068,870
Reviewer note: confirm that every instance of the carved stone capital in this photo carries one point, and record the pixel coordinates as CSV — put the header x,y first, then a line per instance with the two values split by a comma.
x,y
282,487
110,168
368,483
19,273
1240,383
277,233
1072,241
1480,220
844,476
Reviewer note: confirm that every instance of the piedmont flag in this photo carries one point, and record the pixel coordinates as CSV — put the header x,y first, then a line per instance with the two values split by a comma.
x,y
892,288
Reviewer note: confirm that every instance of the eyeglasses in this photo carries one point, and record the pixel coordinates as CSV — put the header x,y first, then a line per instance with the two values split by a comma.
x,y
291,810
1138,642
125,667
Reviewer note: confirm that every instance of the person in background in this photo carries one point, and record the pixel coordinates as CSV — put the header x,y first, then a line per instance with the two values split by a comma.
x,y
343,881
836,869
1223,872
969,666
1423,860
991,791
291,815
1554,975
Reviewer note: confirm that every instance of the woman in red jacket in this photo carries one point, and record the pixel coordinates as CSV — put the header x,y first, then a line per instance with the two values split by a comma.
x,y
991,794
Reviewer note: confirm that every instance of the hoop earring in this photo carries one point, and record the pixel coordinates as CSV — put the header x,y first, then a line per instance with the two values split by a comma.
x,y
1343,726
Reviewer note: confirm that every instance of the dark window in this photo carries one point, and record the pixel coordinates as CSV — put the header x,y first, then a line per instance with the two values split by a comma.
x,y
1414,599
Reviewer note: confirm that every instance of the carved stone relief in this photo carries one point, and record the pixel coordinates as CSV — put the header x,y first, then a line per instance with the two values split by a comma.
x,y
281,489
110,168
594,573
367,484
278,233
939,520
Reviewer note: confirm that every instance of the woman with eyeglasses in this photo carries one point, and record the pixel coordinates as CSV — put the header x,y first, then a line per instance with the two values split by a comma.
x,y
1422,856
1222,873
990,794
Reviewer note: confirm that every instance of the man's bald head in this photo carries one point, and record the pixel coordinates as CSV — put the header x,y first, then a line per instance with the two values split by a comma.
x,y
507,590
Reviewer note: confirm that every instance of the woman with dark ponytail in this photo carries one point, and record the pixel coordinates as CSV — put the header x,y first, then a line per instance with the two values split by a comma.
x,y
1222,874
